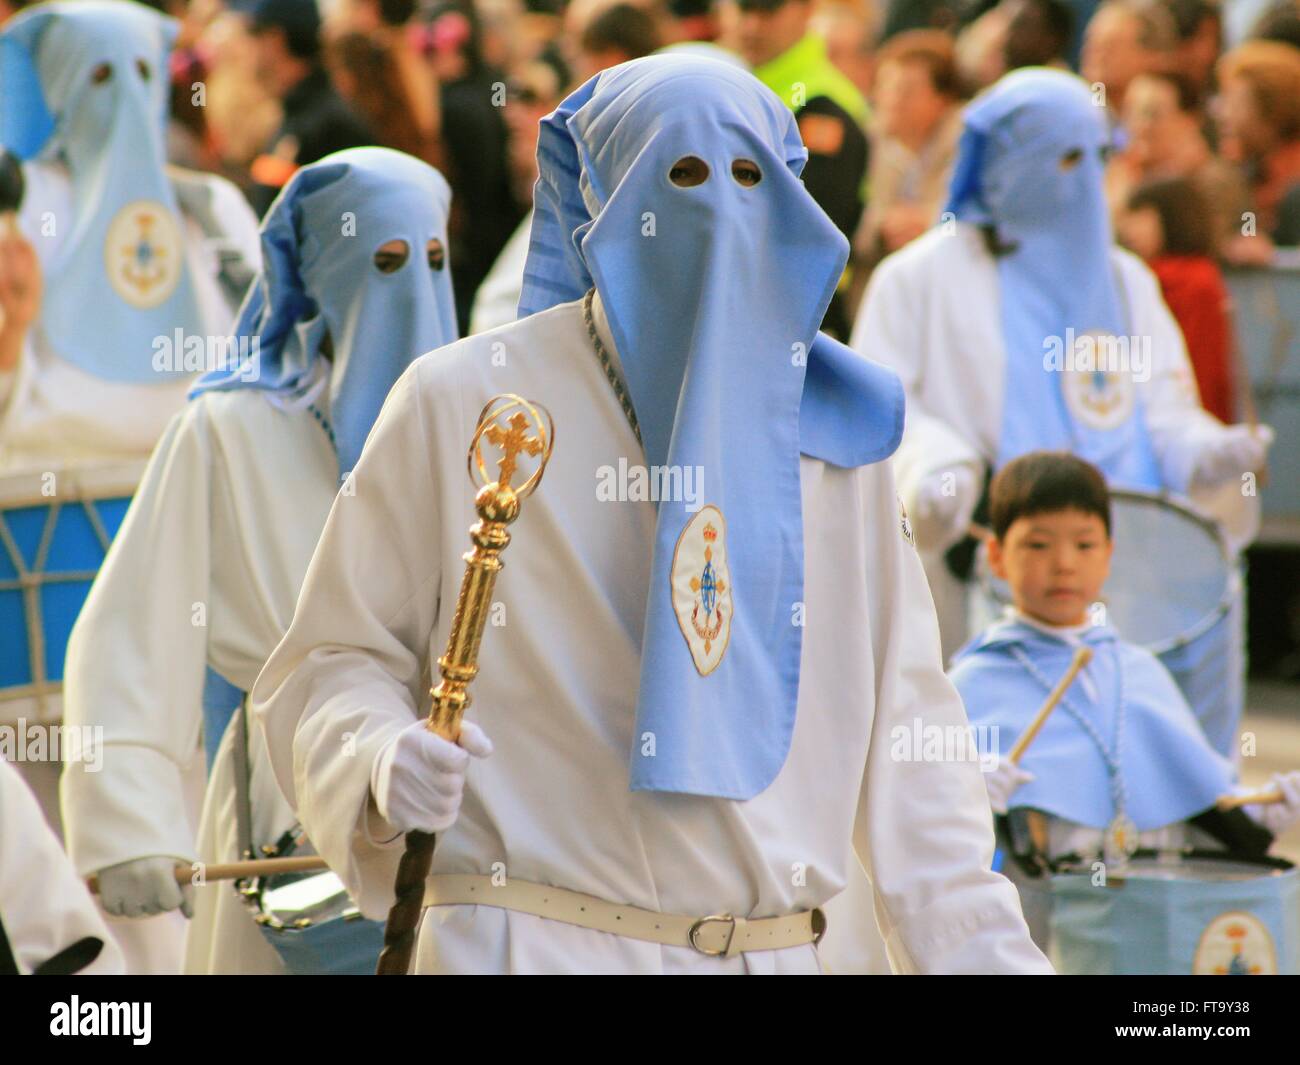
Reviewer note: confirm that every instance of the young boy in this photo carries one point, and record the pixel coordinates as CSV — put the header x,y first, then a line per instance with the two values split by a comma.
x,y
1122,762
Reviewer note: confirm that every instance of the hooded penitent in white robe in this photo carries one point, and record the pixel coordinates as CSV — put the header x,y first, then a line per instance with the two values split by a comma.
x,y
44,906
53,412
557,691
932,314
218,536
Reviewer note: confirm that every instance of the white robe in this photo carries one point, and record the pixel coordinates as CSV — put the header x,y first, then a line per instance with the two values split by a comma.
x,y
205,570
932,313
45,907
557,689
53,412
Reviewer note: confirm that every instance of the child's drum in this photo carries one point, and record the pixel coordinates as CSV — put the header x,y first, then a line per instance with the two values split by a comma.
x,y
55,528
1200,916
1175,590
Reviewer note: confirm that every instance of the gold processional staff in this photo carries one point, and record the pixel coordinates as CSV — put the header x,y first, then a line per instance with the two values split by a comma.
x,y
515,427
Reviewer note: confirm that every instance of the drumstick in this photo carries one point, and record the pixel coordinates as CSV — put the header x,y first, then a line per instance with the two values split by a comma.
x,y
1081,658
185,874
1258,798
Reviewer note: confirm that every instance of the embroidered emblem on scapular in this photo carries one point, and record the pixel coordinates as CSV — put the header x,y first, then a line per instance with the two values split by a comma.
x,y
1235,943
701,588
142,253
1100,393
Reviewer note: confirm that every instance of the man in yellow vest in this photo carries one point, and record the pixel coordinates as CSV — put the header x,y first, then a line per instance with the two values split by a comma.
x,y
773,37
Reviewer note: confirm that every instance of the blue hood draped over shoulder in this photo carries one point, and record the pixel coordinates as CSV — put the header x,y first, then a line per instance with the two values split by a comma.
x,y
714,293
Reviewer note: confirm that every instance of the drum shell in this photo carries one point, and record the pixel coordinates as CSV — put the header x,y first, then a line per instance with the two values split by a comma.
x,y
55,531
1143,925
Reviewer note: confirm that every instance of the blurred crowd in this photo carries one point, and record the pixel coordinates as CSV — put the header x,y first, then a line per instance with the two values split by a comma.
x,y
1206,97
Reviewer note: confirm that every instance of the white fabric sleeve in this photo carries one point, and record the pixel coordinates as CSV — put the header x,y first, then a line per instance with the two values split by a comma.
x,y
1180,427
890,328
44,905
347,675
136,660
923,829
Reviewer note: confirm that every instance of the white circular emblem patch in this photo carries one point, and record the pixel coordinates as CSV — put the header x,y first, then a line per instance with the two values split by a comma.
x,y
143,254
1099,394
701,588
1235,944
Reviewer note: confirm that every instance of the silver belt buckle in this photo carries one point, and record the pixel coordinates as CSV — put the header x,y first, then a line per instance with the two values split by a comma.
x,y
693,935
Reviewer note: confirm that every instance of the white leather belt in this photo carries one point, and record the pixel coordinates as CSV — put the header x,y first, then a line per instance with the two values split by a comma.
x,y
718,935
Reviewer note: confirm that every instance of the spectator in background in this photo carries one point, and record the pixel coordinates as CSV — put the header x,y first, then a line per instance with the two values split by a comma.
x,y
688,20
367,76
1163,120
848,32
535,91
904,15
1258,116
1038,34
286,41
773,36
915,127
1168,224
1124,39
1279,22
615,35
981,48
1199,25
388,24
474,137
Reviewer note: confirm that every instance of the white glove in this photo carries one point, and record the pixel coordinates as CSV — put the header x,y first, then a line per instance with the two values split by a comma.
x,y
1279,816
1003,781
418,777
143,887
1238,449
945,501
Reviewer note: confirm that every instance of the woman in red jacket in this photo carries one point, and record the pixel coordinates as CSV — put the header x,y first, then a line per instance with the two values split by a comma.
x,y
1168,223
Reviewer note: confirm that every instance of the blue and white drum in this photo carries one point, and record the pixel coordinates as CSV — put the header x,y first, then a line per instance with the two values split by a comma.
x,y
1175,590
55,530
1190,916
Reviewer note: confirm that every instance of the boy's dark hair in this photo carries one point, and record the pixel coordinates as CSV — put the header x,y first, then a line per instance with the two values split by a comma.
x,y
1041,482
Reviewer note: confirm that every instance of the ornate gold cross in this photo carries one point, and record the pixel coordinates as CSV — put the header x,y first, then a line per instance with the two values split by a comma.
x,y
512,441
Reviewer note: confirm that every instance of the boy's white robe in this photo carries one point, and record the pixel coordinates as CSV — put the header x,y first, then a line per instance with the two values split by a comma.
x,y
205,570
932,313
557,690
45,907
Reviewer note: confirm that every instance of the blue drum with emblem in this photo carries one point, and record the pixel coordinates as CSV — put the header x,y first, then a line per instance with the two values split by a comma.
x,y
1187,916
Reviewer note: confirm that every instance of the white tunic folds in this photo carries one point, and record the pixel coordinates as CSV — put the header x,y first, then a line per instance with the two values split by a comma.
x,y
205,571
557,688
932,314
45,908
